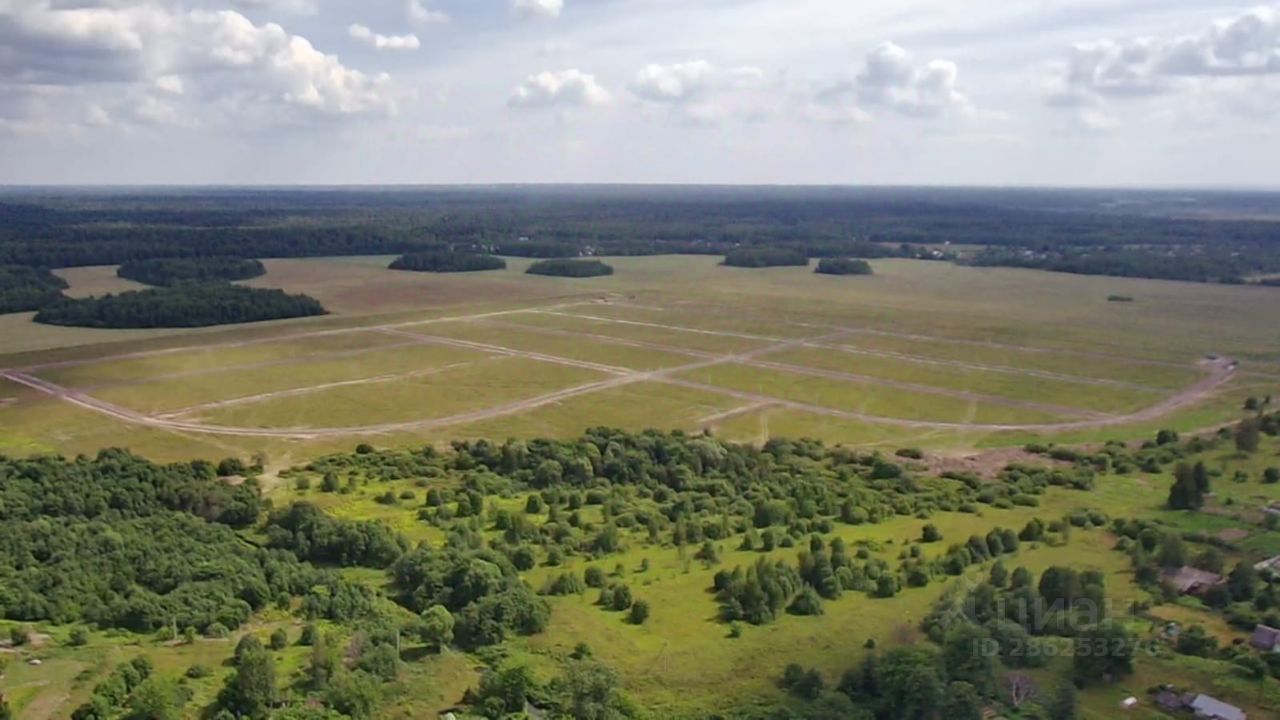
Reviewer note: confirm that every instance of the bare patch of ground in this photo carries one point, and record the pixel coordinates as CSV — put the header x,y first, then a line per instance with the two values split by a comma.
x,y
987,464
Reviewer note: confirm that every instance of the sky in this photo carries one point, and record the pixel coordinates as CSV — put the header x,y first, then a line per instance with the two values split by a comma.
x,y
884,92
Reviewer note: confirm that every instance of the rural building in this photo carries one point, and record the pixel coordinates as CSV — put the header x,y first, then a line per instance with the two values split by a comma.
x,y
1270,564
1191,581
1207,708
1266,639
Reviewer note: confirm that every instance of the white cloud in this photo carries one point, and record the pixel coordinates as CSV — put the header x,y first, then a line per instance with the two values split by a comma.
x,y
1246,45
538,8
673,83
418,12
702,93
566,88
889,79
297,7
218,57
384,42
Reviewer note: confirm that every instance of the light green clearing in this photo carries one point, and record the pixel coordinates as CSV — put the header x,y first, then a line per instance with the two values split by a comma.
x,y
584,349
214,358
1108,399
871,400
183,392
446,393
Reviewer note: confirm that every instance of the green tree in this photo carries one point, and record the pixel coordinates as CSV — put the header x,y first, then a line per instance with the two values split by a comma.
x,y
1064,706
968,657
588,690
910,684
436,629
251,689
639,612
1243,582
930,533
354,694
154,699
1248,436
962,702
1103,652
279,639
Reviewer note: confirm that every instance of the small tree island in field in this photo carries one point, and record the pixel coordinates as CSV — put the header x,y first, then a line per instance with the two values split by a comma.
x,y
183,306
843,266
23,289
448,261
565,267
167,272
765,257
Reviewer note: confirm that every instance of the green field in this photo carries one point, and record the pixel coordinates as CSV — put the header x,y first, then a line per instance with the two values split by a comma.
x,y
918,343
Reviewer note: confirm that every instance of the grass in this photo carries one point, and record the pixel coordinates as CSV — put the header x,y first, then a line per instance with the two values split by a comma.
x,y
874,400
448,392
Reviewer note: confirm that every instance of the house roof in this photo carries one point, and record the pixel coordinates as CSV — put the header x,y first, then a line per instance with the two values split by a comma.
x,y
1186,579
1265,638
1208,707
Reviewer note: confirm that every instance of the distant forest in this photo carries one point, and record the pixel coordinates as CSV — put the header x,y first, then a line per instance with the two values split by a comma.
x,y
183,306
1184,235
765,257
23,289
167,272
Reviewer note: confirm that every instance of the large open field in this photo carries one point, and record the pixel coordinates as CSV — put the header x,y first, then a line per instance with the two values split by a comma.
x,y
922,353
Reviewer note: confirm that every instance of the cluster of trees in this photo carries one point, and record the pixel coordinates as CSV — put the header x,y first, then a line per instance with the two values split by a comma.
x,y
585,688
112,695
311,534
570,268
23,289
481,588
120,542
843,266
184,306
919,682
167,272
750,257
448,261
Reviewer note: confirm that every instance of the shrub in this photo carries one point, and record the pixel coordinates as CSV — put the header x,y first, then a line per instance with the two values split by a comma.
x,y
639,612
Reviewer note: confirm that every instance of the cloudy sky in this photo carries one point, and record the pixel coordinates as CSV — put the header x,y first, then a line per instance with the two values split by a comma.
x,y
1046,92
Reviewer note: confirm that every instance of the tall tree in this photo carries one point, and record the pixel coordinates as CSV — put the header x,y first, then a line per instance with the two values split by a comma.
x,y
250,692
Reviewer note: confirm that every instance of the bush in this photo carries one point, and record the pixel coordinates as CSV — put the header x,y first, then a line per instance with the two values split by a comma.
x,y
279,639
639,612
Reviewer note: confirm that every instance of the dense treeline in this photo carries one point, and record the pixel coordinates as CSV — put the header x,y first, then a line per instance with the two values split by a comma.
x,y
167,272
570,268
23,289
843,266
567,222
1227,264
184,306
444,261
764,257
